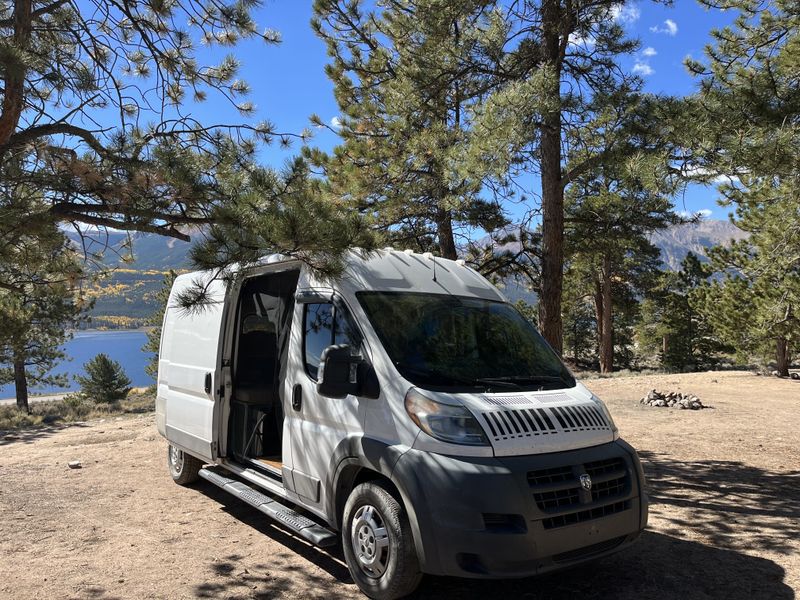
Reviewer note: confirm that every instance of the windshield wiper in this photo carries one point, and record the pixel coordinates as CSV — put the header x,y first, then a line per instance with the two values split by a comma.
x,y
501,381
436,375
520,380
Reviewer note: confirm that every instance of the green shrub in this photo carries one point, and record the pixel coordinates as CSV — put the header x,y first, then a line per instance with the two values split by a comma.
x,y
105,381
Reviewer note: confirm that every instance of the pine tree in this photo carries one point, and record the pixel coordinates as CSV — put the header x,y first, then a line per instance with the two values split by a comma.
x,y
611,209
408,77
95,110
287,212
580,325
674,325
105,381
564,59
756,306
40,301
747,132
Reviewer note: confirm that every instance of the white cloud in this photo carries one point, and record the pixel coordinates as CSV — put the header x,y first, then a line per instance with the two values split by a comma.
x,y
585,42
336,122
670,28
625,13
705,212
643,69
649,51
727,179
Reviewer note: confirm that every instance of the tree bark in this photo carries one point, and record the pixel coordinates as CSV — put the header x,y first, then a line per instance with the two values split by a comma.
x,y
605,322
782,356
21,385
447,243
552,188
14,78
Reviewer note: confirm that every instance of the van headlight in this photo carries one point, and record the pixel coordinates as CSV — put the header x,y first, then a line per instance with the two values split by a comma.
x,y
607,414
452,423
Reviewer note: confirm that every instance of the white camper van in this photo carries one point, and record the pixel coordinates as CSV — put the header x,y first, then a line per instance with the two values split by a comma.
x,y
406,407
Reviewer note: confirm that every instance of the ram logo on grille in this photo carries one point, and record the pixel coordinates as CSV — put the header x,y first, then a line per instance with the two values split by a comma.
x,y
523,422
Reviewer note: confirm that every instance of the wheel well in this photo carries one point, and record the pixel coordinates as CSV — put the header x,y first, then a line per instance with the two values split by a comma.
x,y
354,475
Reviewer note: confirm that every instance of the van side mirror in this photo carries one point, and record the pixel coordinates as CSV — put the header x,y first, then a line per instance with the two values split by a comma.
x,y
341,373
337,375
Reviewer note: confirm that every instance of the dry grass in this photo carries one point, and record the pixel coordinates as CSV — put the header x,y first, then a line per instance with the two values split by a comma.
x,y
73,408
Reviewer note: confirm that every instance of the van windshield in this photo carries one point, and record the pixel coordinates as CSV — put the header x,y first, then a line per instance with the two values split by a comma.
x,y
455,343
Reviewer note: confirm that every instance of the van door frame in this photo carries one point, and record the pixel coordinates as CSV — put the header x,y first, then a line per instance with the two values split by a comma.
x,y
225,367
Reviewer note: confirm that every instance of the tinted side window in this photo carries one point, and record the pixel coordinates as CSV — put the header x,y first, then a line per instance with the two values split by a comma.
x,y
323,325
318,329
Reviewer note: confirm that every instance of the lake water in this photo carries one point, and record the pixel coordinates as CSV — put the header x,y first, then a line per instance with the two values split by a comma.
x,y
123,346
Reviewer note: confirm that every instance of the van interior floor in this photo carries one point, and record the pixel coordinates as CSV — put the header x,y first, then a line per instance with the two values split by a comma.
x,y
270,461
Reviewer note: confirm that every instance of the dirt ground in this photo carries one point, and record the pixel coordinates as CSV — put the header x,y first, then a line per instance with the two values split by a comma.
x,y
725,513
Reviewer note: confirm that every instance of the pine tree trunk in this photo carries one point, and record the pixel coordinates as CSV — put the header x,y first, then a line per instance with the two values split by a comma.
x,y
606,330
14,76
782,356
447,243
21,385
552,190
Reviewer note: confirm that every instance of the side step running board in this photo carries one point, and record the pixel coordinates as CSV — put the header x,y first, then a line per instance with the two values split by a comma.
x,y
289,518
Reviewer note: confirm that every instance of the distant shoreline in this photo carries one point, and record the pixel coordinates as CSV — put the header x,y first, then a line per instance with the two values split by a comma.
x,y
145,329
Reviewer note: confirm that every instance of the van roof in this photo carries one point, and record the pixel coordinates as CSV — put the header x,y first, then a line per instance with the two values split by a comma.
x,y
387,270
407,271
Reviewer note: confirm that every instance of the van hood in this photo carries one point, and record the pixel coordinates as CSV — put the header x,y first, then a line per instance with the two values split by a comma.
x,y
520,423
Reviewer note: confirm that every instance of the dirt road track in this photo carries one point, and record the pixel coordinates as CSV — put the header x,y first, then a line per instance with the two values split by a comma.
x,y
725,519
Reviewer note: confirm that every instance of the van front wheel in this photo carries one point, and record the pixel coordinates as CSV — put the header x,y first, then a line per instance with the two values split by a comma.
x,y
183,467
378,543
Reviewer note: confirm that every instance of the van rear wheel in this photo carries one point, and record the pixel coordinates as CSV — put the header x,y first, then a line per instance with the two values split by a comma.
x,y
183,468
378,543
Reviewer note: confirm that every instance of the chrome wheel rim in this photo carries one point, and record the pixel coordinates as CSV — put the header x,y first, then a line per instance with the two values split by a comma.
x,y
370,541
176,459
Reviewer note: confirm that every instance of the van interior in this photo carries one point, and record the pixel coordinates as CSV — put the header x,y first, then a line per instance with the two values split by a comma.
x,y
261,343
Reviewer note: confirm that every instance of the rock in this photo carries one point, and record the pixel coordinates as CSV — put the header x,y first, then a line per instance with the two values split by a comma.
x,y
680,400
795,376
74,464
775,374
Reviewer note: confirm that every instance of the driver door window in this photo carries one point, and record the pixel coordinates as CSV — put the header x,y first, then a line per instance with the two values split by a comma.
x,y
323,325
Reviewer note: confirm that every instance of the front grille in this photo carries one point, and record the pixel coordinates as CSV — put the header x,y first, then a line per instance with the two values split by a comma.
x,y
608,489
549,501
609,477
601,467
544,476
586,515
507,423
588,551
557,491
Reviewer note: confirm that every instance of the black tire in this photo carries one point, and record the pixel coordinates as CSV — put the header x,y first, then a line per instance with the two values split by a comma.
x,y
183,468
393,571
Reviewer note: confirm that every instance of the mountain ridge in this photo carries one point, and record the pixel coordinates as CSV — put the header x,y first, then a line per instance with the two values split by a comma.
x,y
139,263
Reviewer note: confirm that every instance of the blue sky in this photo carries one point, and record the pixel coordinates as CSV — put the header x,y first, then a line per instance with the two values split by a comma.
x,y
288,82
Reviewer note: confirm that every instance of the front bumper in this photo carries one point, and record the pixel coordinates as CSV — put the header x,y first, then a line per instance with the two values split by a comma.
x,y
523,515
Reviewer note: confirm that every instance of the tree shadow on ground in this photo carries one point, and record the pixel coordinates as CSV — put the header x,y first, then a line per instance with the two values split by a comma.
x,y
31,434
274,575
734,505
659,566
